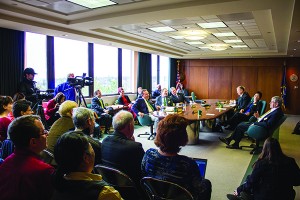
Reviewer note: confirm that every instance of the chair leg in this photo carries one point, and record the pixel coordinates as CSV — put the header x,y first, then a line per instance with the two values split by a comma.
x,y
152,134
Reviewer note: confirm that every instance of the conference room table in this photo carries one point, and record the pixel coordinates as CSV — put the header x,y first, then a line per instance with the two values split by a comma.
x,y
209,111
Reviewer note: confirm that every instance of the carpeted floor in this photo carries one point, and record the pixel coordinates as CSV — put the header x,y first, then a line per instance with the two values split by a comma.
x,y
226,167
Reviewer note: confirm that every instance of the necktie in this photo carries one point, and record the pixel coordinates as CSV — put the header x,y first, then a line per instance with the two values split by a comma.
x,y
165,102
264,115
101,103
150,109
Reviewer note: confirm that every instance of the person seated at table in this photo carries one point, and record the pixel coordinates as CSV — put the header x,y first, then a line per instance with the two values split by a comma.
x,y
273,176
143,106
103,113
244,114
178,97
181,89
51,114
139,92
156,92
74,178
164,163
163,100
6,103
266,121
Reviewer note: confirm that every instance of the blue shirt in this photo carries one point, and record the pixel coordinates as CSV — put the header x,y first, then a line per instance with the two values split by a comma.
x,y
68,91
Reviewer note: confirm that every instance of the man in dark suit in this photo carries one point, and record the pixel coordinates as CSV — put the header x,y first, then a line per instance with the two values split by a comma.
x,y
143,106
163,100
243,99
103,113
267,121
178,97
120,149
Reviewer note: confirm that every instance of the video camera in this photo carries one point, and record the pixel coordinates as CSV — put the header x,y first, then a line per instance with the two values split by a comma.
x,y
46,94
80,81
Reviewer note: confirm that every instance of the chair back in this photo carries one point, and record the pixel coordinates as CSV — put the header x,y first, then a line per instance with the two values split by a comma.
x,y
159,189
145,120
119,180
263,107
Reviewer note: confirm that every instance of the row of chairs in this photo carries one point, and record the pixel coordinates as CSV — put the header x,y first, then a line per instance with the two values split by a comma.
x,y
155,189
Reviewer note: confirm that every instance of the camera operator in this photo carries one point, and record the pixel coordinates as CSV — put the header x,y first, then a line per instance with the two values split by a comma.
x,y
28,85
67,89
51,114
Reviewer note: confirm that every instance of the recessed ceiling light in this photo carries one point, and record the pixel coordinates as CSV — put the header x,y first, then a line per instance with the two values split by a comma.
x,y
195,42
240,23
93,3
295,49
162,29
228,34
212,25
177,37
194,37
232,41
239,46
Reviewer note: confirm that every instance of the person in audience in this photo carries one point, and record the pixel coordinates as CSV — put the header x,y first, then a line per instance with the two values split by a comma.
x,y
22,107
156,92
74,178
28,85
84,121
266,121
68,90
123,99
273,176
23,175
163,100
16,97
139,92
51,114
120,149
143,106
165,163
6,103
178,97
103,113
63,124
244,114
180,89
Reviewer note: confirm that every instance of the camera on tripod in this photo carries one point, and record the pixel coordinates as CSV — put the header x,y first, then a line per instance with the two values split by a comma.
x,y
46,94
80,81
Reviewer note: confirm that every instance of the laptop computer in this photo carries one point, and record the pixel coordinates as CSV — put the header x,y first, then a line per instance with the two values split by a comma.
x,y
202,163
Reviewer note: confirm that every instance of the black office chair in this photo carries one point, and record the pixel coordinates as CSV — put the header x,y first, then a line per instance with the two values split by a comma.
x,y
120,181
258,134
146,121
159,189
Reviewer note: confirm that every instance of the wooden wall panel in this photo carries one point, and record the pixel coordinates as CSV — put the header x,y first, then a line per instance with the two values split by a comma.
x,y
219,82
198,81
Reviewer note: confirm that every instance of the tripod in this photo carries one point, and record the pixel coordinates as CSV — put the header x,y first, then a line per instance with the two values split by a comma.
x,y
80,97
40,111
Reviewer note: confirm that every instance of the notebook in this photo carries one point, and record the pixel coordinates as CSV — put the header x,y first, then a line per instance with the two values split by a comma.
x,y
202,163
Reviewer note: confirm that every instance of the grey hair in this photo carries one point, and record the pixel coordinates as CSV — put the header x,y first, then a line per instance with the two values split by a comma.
x,y
171,88
278,100
81,115
121,119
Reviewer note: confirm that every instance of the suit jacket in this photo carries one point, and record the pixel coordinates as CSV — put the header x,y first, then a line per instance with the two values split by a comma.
x,y
124,154
96,106
141,106
179,98
243,101
156,93
270,120
121,102
159,101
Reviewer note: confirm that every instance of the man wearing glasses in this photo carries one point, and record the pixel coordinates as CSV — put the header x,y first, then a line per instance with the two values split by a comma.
x,y
267,121
23,174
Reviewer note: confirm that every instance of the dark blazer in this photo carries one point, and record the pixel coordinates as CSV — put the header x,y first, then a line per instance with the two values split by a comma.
x,y
270,181
180,98
271,119
124,154
96,106
243,101
141,106
120,100
159,101
156,93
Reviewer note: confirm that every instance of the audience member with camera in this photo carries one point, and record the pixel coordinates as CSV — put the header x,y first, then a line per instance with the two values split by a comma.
x,y
51,114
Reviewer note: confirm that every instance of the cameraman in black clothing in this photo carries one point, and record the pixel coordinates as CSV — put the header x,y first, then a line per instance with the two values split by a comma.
x,y
28,85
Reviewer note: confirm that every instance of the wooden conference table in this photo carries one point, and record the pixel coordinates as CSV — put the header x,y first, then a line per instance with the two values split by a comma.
x,y
191,113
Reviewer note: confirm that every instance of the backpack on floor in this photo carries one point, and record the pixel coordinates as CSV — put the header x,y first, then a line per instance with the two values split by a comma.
x,y
297,129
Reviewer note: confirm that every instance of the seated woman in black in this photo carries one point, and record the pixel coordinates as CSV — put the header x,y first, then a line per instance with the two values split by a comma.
x,y
165,163
273,177
74,178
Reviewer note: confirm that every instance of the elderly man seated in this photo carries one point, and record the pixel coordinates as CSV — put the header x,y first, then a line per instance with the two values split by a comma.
x,y
178,97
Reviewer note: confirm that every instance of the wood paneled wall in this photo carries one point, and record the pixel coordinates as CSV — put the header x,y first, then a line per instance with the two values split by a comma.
x,y
218,79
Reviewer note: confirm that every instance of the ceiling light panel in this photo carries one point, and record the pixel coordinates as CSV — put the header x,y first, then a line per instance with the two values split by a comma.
x,y
93,3
232,41
195,42
224,34
212,25
162,29
239,46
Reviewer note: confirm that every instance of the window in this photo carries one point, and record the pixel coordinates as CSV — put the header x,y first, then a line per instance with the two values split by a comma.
x,y
70,56
106,69
154,71
36,58
128,70
164,68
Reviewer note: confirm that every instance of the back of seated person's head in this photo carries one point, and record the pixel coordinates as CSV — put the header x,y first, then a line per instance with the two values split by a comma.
x,y
21,107
81,116
23,129
171,134
65,109
123,121
73,153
